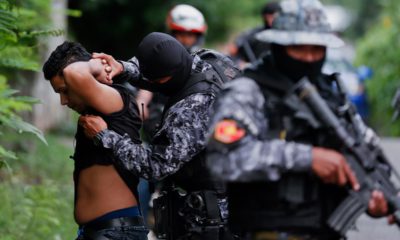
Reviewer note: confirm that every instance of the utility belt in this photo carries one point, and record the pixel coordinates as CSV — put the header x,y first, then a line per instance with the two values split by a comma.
x,y
179,214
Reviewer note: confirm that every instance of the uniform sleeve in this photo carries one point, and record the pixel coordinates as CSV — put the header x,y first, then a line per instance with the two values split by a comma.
x,y
131,72
182,136
237,147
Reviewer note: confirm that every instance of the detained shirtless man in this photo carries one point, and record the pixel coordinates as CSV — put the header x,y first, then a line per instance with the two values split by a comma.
x,y
105,196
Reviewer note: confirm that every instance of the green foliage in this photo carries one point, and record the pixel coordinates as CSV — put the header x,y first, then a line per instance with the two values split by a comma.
x,y
132,20
21,23
10,105
365,15
36,212
233,16
380,49
19,30
39,162
37,198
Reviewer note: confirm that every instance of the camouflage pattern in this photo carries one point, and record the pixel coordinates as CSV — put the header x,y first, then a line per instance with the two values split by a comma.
x,y
131,71
253,157
301,22
183,133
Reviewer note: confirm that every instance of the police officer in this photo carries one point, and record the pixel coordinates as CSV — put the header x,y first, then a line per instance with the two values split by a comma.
x,y
192,205
247,48
285,175
187,25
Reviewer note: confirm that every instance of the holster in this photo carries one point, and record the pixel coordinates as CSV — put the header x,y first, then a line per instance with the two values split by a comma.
x,y
182,215
168,223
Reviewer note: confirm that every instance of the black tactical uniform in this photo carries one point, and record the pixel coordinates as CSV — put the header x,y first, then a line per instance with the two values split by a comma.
x,y
192,205
261,138
249,47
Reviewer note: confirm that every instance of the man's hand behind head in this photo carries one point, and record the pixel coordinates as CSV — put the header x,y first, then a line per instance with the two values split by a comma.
x,y
112,66
99,71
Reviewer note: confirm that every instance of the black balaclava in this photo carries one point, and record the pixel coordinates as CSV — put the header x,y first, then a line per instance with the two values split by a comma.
x,y
292,68
161,55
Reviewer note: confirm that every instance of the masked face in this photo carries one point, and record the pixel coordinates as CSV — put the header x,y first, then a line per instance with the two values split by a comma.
x,y
160,85
298,61
167,85
172,86
161,56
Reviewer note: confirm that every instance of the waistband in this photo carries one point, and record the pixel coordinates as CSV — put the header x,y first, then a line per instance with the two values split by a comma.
x,y
120,213
115,222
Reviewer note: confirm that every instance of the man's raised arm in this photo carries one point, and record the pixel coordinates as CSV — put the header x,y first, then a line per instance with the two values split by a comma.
x,y
80,78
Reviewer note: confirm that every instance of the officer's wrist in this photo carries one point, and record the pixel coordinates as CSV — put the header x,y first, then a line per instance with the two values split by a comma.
x,y
121,67
107,138
98,138
121,73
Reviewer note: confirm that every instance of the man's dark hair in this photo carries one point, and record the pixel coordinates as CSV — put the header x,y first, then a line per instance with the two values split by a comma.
x,y
62,56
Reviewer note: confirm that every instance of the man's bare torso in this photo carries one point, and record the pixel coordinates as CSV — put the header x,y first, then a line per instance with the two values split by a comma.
x,y
101,190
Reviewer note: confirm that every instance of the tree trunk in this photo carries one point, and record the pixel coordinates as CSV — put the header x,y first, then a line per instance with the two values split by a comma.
x,y
50,113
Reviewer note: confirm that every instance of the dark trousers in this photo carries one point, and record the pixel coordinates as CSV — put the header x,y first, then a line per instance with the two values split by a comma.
x,y
125,228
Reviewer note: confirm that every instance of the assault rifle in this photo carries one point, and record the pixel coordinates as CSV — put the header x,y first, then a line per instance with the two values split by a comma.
x,y
369,164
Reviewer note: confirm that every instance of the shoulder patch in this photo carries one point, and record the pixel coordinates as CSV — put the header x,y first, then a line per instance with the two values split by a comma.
x,y
227,131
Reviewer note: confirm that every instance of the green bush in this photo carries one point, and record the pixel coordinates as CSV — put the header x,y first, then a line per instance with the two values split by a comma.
x,y
10,105
37,195
36,192
20,24
37,161
380,50
36,212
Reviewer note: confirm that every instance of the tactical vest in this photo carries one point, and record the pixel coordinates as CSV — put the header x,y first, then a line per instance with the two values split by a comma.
x,y
194,175
208,82
298,201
